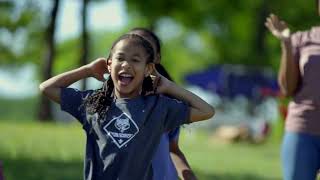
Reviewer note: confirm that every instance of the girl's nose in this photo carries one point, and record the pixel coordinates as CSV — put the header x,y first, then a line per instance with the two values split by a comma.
x,y
125,64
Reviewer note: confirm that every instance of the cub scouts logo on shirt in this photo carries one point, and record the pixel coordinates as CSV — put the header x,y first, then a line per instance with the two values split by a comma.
x,y
122,124
121,129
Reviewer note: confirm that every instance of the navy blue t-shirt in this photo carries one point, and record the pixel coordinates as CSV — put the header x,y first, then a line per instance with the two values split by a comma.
x,y
162,164
121,146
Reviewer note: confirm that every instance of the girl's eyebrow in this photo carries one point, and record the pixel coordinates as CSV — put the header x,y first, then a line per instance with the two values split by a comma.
x,y
120,53
123,54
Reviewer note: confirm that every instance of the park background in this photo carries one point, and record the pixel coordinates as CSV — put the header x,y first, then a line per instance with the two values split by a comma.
x,y
218,49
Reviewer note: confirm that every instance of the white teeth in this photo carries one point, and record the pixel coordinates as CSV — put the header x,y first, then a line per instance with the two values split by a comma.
x,y
125,75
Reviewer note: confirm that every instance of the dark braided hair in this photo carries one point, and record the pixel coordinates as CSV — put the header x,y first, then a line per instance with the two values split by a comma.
x,y
100,100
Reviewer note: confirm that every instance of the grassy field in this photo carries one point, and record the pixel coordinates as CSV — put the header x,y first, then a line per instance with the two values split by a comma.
x,y
34,151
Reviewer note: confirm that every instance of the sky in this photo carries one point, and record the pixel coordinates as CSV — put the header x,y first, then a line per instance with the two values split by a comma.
x,y
108,15
102,15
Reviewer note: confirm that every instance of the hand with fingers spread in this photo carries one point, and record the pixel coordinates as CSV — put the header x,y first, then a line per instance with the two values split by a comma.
x,y
278,27
98,68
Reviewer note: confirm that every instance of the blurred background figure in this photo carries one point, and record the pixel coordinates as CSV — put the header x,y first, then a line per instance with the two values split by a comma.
x,y
299,78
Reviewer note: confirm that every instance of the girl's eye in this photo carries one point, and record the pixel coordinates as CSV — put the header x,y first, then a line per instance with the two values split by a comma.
x,y
119,58
136,60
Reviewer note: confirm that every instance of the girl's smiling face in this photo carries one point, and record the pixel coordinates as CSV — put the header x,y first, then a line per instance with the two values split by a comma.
x,y
128,66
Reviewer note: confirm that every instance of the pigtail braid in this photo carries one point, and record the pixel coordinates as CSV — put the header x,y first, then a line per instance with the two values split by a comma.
x,y
147,86
100,100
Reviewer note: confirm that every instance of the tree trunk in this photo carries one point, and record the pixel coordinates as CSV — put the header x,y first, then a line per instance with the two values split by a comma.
x,y
85,40
45,112
259,44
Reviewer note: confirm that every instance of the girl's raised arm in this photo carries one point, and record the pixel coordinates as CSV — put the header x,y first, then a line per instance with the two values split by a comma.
x,y
200,110
51,87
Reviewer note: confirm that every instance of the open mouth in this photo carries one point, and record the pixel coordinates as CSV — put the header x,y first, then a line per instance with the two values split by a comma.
x,y
125,78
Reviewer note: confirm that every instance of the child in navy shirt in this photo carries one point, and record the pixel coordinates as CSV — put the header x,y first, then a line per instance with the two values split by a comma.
x,y
123,125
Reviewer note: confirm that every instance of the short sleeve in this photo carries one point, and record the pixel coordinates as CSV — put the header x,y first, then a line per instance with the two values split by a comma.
x,y
71,102
178,113
174,134
296,39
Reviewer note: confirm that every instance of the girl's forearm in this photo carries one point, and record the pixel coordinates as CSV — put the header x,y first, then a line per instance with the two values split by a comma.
x,y
68,78
289,70
180,162
200,110
51,87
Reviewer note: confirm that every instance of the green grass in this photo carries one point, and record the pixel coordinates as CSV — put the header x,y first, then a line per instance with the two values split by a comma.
x,y
18,109
213,159
35,151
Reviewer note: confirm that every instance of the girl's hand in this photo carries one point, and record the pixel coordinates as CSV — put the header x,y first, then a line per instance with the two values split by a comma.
x,y
160,83
278,27
98,68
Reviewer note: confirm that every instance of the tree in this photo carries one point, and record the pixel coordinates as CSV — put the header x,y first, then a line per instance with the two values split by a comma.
x,y
234,29
20,35
6,24
45,113
84,51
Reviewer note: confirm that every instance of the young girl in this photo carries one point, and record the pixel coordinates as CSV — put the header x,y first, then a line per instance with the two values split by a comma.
x,y
168,161
124,126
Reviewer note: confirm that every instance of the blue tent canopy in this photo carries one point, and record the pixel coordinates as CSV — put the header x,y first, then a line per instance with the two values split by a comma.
x,y
231,80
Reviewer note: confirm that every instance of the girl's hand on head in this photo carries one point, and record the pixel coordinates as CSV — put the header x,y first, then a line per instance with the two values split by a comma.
x,y
278,27
160,83
98,68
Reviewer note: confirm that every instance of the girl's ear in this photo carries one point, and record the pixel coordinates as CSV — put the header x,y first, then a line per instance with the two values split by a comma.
x,y
109,65
149,69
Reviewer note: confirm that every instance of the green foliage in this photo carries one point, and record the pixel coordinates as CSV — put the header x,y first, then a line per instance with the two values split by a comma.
x,y
21,26
68,50
235,29
231,32
180,60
